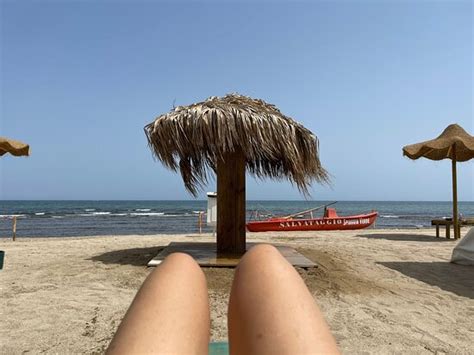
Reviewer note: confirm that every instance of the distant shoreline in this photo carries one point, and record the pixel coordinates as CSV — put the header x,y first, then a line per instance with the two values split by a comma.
x,y
248,200
78,218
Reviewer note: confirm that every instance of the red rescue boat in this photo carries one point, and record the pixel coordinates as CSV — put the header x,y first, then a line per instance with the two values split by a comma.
x,y
330,221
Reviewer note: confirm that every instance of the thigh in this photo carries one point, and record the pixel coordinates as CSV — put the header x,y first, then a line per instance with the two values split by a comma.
x,y
271,311
170,313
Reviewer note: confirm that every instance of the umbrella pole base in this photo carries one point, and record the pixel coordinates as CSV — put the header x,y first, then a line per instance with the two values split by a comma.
x,y
206,256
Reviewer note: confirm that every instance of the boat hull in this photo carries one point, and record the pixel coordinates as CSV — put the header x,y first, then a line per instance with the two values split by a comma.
x,y
313,224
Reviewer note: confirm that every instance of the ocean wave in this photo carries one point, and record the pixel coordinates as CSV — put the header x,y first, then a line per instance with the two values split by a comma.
x,y
143,209
147,214
411,216
39,213
93,214
89,209
57,216
12,215
180,215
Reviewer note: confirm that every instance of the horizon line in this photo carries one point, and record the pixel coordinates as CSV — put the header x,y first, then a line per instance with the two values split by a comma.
x,y
181,200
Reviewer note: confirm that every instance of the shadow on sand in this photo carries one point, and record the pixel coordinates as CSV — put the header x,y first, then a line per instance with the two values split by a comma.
x,y
135,256
458,279
405,237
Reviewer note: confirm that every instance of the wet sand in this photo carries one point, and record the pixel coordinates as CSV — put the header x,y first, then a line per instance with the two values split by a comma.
x,y
381,291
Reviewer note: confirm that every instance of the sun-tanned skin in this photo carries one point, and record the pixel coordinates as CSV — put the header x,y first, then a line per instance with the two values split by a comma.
x,y
170,313
270,310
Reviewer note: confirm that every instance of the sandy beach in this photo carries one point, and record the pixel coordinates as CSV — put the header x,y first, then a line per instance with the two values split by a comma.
x,y
382,291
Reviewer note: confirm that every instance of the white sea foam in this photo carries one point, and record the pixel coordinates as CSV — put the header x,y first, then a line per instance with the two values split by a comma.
x,y
93,214
143,209
56,216
89,209
147,214
39,213
11,215
389,216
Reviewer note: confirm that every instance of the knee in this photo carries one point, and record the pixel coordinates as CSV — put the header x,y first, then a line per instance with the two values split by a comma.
x,y
260,256
260,251
180,258
184,263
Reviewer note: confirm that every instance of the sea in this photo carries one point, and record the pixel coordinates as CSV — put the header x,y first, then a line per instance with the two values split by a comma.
x,y
92,218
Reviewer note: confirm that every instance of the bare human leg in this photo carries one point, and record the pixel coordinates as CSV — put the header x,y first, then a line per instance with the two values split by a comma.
x,y
271,311
170,313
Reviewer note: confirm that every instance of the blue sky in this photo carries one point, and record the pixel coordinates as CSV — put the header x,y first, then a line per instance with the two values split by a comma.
x,y
79,81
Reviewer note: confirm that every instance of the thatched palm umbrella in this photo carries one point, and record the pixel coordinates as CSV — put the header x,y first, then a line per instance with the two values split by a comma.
x,y
13,147
228,135
455,144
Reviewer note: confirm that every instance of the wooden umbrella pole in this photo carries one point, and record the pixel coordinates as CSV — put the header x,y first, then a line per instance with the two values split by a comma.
x,y
231,203
455,196
14,228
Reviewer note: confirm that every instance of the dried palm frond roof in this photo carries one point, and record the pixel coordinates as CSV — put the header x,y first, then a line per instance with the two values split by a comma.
x,y
193,138
442,146
13,147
